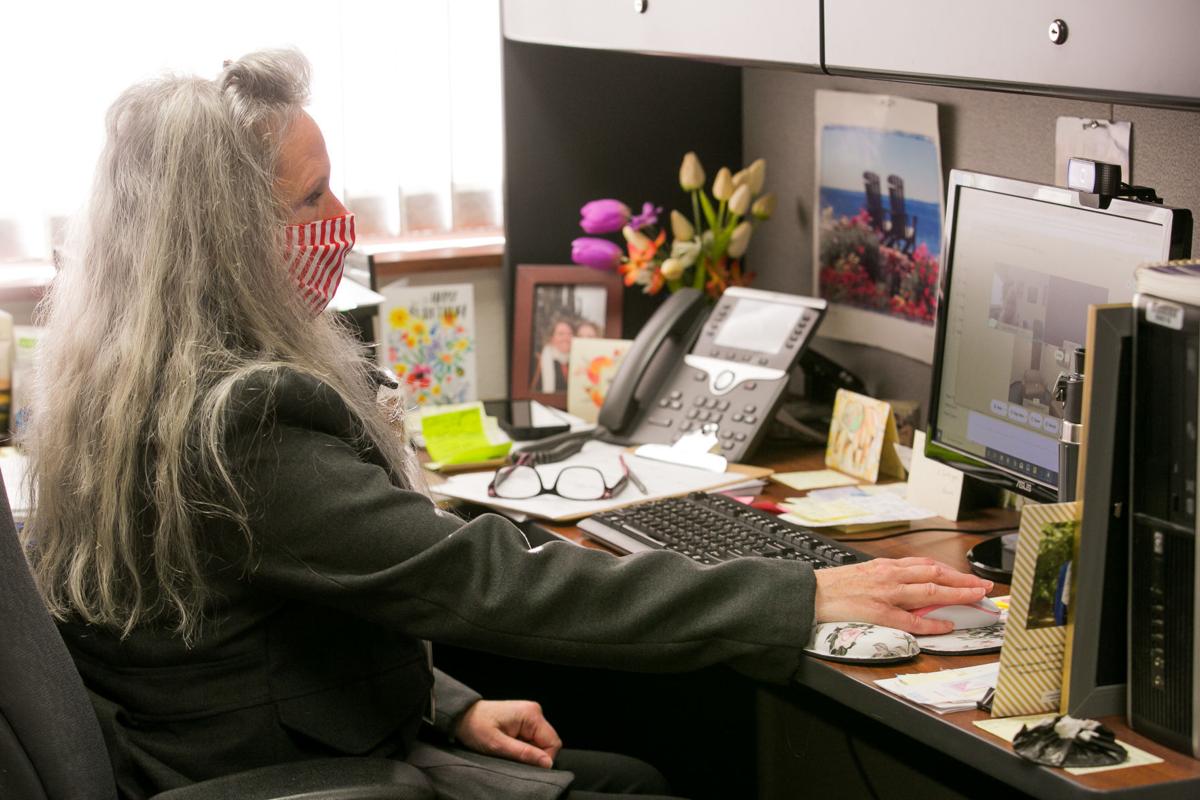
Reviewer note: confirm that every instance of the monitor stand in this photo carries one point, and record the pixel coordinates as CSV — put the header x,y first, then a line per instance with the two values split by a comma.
x,y
993,557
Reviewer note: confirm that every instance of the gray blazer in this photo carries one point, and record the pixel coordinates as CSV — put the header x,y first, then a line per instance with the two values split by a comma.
x,y
313,641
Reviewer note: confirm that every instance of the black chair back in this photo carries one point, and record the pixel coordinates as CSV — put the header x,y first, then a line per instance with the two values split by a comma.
x,y
50,742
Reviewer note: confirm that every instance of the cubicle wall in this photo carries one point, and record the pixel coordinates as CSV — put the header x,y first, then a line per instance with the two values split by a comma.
x,y
582,124
1005,133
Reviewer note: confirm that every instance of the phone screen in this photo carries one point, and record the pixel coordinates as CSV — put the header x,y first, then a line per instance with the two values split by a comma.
x,y
517,415
520,415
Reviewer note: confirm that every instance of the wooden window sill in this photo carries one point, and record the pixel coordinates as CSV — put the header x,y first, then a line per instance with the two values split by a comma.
x,y
394,258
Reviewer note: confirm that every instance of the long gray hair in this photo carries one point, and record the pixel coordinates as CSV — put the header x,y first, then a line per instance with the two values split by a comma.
x,y
177,291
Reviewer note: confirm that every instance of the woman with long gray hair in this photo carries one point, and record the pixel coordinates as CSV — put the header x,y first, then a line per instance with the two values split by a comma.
x,y
232,537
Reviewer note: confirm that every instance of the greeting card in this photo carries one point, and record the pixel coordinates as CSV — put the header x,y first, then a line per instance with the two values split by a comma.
x,y
591,367
1031,658
427,339
862,433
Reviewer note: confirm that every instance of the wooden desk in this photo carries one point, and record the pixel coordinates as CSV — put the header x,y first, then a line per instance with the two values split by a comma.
x,y
954,734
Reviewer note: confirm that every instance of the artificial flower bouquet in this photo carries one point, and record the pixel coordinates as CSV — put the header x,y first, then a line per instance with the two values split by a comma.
x,y
707,249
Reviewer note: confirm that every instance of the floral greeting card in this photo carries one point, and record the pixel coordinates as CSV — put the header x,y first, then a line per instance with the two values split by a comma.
x,y
427,340
592,365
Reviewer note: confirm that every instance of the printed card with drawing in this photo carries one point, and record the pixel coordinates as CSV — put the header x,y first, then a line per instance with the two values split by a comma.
x,y
1035,636
427,340
861,437
592,365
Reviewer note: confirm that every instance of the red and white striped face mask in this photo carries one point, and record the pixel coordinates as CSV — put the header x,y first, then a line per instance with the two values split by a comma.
x,y
316,256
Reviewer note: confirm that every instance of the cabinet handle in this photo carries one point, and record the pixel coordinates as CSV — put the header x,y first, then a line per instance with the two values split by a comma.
x,y
1057,31
640,6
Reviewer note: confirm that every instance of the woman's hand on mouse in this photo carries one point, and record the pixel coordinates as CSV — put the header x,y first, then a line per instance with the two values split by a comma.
x,y
883,591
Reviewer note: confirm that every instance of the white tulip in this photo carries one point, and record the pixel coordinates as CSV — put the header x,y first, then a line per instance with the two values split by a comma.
x,y
681,227
672,269
764,206
636,238
740,201
756,175
691,173
740,240
722,184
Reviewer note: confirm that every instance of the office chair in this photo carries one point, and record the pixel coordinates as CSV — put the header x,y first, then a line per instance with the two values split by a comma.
x,y
51,747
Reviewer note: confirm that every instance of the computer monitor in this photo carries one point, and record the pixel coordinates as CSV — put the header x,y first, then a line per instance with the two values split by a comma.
x,y
1022,263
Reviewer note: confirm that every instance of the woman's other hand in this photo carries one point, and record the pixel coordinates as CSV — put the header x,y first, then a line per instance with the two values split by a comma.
x,y
512,729
884,591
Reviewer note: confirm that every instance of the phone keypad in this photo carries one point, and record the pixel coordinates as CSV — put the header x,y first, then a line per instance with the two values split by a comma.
x,y
728,390
734,421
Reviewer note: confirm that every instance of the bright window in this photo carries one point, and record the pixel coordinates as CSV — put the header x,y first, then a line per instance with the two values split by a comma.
x,y
407,93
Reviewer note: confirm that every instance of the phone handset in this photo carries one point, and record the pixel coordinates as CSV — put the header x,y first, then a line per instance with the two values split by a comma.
x,y
675,320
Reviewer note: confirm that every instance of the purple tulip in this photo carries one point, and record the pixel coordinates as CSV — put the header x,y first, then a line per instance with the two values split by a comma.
x,y
603,216
595,253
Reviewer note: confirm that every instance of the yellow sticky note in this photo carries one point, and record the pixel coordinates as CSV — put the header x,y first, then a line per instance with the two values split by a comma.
x,y
809,479
459,436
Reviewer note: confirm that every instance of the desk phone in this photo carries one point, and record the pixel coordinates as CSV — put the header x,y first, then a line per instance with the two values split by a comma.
x,y
728,369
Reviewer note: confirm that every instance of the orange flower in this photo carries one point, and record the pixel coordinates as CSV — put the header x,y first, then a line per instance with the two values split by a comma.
x,y
595,366
642,265
449,315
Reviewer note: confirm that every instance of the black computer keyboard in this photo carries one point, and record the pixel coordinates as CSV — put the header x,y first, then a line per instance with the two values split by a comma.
x,y
711,528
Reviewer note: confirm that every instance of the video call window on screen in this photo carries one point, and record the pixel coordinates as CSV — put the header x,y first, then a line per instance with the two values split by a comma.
x,y
1023,264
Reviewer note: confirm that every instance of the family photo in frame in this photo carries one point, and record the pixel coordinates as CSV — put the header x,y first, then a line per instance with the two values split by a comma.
x,y
554,305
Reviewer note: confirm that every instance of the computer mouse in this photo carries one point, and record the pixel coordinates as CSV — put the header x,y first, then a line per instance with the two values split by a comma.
x,y
973,615
861,642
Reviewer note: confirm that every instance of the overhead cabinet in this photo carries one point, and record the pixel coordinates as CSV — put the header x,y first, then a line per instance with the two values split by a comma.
x,y
746,31
1142,52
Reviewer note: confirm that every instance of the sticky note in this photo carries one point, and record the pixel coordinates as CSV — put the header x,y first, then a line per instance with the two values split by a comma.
x,y
806,480
459,436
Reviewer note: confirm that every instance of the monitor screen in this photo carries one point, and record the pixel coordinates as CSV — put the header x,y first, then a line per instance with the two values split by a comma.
x,y
1023,263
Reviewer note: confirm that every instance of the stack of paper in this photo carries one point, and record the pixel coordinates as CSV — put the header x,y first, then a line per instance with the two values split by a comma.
x,y
853,506
660,479
947,690
750,487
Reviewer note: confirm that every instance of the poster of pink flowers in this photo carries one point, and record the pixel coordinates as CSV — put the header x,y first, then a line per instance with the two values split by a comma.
x,y
879,227
427,340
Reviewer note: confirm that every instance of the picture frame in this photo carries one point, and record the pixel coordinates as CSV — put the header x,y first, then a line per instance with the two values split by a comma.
x,y
551,305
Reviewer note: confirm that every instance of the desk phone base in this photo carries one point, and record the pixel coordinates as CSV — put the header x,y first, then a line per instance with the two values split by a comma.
x,y
736,373
711,528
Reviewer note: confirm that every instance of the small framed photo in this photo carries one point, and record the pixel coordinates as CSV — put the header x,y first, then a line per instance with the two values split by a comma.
x,y
552,306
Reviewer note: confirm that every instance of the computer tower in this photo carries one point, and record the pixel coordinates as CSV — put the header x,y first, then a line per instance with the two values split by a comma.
x,y
1164,682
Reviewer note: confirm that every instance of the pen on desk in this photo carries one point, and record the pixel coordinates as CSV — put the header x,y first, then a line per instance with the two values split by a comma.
x,y
641,487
